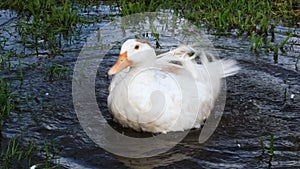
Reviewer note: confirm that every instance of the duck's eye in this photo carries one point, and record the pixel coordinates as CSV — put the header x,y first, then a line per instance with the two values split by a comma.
x,y
136,47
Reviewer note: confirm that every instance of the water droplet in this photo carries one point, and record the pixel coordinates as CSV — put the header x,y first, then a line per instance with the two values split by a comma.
x,y
292,96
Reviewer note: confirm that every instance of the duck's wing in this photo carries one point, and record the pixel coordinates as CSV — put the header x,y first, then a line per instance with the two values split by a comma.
x,y
202,65
185,56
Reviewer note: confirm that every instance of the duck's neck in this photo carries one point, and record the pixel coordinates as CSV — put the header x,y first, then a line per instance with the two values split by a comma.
x,y
144,60
144,66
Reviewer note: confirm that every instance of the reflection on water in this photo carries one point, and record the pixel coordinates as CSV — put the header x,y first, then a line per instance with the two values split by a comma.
x,y
258,104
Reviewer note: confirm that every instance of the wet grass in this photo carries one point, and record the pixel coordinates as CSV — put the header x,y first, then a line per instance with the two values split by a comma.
x,y
5,60
267,158
13,154
225,16
255,19
16,155
44,26
56,71
5,101
45,23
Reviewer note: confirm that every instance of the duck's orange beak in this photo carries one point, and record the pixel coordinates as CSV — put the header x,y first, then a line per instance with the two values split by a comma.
x,y
121,64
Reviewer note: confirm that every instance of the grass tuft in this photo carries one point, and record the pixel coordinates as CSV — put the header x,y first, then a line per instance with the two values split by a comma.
x,y
56,71
267,158
16,155
5,101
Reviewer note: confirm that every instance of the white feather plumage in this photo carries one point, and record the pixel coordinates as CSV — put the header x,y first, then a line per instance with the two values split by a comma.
x,y
175,93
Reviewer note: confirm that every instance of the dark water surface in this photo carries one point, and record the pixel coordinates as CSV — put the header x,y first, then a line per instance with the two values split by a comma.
x,y
258,104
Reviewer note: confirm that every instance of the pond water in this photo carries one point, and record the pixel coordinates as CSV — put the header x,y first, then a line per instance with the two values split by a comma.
x,y
262,99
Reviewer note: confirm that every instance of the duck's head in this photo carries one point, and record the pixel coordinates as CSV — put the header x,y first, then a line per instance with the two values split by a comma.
x,y
134,53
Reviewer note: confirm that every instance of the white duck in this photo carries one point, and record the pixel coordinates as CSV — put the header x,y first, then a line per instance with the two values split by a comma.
x,y
168,92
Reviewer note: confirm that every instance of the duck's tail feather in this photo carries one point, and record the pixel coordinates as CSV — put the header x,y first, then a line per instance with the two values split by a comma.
x,y
230,67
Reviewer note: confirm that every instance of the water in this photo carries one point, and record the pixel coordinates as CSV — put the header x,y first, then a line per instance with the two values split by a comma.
x,y
258,104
